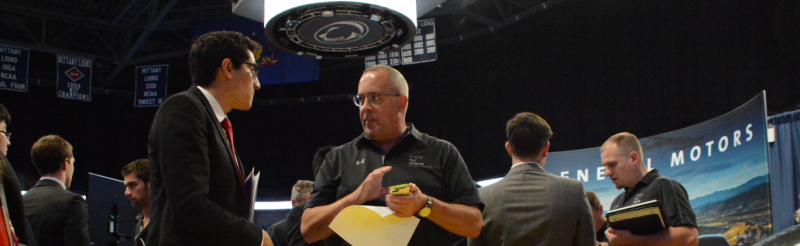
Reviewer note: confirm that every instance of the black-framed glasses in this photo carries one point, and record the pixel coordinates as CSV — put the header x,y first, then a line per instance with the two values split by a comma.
x,y
8,135
374,98
254,68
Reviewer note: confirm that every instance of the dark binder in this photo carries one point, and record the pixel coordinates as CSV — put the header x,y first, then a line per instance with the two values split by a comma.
x,y
640,219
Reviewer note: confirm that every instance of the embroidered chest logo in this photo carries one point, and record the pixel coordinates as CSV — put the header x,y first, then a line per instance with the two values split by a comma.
x,y
637,198
360,162
415,161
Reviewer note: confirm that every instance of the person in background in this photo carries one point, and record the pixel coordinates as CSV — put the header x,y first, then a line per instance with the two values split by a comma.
x,y
600,221
530,206
136,177
279,231
622,157
11,187
58,217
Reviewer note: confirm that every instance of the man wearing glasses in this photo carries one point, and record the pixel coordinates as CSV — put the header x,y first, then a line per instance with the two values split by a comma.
x,y
196,178
11,188
391,152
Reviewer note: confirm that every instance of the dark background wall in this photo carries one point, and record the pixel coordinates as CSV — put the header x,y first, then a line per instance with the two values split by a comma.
x,y
590,68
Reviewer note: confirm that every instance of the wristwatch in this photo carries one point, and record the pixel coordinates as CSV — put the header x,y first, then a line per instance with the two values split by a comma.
x,y
425,211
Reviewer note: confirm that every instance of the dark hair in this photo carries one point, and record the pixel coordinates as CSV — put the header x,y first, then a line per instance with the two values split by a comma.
x,y
49,152
527,133
211,48
139,169
594,202
319,158
4,115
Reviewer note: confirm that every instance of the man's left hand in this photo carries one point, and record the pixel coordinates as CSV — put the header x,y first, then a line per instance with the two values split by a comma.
x,y
407,205
619,237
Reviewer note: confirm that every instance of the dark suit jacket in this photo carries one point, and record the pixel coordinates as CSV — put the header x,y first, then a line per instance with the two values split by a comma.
x,y
195,190
532,207
57,216
16,209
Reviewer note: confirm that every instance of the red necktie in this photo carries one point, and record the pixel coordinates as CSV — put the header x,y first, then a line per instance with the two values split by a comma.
x,y
226,124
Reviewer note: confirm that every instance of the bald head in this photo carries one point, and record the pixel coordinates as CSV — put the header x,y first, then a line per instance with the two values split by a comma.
x,y
397,83
625,142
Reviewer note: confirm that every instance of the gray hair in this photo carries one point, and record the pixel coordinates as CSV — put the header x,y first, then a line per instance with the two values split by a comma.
x,y
300,188
396,79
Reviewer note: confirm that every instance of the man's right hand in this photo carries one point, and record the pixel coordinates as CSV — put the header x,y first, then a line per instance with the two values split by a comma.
x,y
371,188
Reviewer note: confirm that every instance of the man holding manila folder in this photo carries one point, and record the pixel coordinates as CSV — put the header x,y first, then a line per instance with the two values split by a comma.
x,y
390,152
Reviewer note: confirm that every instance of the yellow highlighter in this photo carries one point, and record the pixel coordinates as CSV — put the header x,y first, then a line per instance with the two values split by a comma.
x,y
400,190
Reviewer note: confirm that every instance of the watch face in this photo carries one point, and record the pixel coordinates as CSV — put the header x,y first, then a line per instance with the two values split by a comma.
x,y
424,212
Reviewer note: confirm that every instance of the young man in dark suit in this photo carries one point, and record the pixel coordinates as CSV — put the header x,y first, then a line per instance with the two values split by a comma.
x,y
196,178
11,188
530,206
57,216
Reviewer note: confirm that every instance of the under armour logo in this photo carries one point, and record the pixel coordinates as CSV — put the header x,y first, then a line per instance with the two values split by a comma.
x,y
360,162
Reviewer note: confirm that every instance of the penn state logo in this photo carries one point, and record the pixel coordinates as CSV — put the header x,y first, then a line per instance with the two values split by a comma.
x,y
342,32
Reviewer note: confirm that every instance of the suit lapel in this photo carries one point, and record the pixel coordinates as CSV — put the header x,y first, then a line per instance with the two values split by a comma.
x,y
221,136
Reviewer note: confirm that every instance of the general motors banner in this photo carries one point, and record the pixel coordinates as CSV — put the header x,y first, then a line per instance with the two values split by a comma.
x,y
14,70
74,78
151,85
722,163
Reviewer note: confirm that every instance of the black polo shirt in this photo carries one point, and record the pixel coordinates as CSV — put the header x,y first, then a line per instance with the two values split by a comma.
x,y
673,197
434,165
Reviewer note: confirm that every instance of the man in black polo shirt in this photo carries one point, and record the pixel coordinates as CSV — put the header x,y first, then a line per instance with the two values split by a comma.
x,y
622,157
356,173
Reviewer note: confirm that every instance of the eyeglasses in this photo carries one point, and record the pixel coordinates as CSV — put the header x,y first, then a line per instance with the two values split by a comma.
x,y
254,68
374,98
8,135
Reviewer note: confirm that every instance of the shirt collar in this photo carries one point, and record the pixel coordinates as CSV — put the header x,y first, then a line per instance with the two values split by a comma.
x,y
410,131
518,164
54,179
214,104
649,177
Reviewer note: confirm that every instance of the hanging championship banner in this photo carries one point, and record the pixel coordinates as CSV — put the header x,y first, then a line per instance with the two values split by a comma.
x,y
74,78
14,68
388,59
151,85
423,49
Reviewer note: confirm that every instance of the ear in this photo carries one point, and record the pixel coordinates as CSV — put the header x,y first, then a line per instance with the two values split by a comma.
x,y
600,207
294,202
64,164
403,101
634,156
147,186
508,149
227,68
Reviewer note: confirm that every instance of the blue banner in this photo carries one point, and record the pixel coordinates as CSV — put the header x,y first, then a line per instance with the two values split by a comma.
x,y
74,78
14,68
722,163
151,85
423,49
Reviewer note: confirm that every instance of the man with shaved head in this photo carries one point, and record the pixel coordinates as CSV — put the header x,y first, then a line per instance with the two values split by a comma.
x,y
392,152
622,157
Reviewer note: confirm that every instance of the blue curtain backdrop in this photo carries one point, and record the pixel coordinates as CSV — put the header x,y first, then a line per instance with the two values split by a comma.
x,y
784,166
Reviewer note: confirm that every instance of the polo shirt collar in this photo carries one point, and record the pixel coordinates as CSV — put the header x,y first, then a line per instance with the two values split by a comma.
x,y
649,177
57,181
410,131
